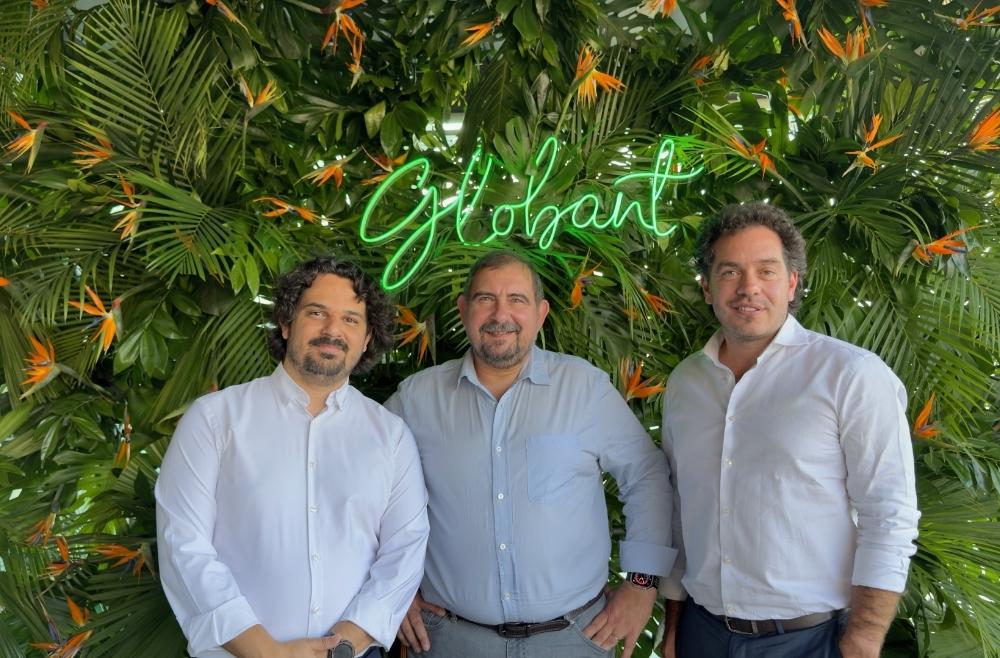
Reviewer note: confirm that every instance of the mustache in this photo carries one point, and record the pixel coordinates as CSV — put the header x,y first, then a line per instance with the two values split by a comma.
x,y
495,325
327,340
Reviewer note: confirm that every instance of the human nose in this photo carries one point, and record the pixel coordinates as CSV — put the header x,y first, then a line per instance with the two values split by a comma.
x,y
749,284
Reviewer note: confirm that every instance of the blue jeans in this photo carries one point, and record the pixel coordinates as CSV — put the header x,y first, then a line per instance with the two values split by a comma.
x,y
700,635
453,638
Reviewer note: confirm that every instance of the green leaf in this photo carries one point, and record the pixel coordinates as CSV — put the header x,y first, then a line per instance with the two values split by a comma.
x,y
373,118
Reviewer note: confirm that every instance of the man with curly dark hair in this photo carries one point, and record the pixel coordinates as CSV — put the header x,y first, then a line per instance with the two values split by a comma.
x,y
293,507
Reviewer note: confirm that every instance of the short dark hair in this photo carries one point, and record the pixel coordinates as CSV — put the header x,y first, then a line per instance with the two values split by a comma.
x,y
501,258
380,314
736,217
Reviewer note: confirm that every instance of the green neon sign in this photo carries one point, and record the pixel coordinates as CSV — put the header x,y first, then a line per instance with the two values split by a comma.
x,y
540,222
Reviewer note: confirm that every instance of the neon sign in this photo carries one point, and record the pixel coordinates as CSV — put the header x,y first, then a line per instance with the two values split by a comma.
x,y
540,222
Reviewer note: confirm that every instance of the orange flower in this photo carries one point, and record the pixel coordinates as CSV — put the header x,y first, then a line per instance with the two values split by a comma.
x,y
853,48
479,31
662,6
262,100
923,427
79,615
416,328
321,176
974,18
754,153
93,154
986,132
4,281
282,207
69,649
59,567
700,67
30,140
344,24
943,246
135,559
581,281
124,453
40,4
109,327
659,305
129,223
791,14
41,531
227,12
863,159
874,3
387,165
42,365
635,387
589,78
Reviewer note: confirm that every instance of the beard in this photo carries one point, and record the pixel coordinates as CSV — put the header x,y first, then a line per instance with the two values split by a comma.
x,y
497,357
325,366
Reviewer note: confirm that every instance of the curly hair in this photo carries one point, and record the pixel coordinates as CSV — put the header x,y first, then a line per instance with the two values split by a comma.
x,y
379,311
736,217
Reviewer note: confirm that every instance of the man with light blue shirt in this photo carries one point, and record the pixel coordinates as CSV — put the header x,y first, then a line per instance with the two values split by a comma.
x,y
514,442
792,467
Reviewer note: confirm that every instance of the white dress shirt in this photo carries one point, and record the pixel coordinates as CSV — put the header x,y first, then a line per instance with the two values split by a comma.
x,y
267,515
519,524
794,483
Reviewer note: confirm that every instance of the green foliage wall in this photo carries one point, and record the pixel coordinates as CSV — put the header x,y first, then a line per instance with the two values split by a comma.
x,y
173,158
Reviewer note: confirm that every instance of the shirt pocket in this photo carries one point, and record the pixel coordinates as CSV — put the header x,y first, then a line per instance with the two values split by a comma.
x,y
553,466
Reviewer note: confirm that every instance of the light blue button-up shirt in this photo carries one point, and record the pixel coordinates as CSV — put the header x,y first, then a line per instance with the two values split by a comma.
x,y
519,525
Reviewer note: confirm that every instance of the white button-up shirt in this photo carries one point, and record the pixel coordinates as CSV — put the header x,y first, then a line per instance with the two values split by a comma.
x,y
267,515
794,483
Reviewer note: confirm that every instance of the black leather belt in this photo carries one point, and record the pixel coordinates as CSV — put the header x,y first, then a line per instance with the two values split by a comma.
x,y
766,626
521,629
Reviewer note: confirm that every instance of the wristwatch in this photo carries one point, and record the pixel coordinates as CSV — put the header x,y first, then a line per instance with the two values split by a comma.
x,y
344,649
642,580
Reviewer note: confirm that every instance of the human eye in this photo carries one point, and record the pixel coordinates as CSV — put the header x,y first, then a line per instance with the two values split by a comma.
x,y
352,319
728,274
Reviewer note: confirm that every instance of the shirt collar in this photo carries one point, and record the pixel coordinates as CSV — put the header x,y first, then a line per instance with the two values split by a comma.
x,y
288,391
791,333
536,369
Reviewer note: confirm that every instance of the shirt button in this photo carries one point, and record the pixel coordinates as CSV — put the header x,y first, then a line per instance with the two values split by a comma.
x,y
725,511
731,419
503,547
506,595
499,496
727,560
499,449
315,558
315,610
312,463
312,508
729,462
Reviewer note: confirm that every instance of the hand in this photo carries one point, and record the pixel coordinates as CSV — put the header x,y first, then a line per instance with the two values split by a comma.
x,y
855,645
412,632
623,618
671,619
353,633
306,648
668,649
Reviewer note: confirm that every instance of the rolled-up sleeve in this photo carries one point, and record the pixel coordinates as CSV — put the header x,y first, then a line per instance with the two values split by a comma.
x,y
395,575
200,588
880,477
643,478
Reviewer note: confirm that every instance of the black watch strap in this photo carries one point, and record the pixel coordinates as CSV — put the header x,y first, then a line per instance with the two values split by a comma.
x,y
344,649
643,580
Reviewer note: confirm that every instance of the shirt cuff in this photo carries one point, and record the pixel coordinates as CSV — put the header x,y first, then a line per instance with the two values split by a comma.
x,y
880,570
373,618
216,627
641,557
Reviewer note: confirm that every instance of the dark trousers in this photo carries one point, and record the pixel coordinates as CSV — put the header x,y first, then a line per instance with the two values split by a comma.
x,y
701,635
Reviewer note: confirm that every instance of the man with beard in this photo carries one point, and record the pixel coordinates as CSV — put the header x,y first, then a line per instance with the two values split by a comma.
x,y
292,507
514,442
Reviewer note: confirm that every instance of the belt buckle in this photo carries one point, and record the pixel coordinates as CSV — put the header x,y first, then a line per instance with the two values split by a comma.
x,y
513,630
752,631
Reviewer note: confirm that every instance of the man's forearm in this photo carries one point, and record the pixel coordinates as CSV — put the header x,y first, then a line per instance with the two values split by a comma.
x,y
872,612
353,633
254,642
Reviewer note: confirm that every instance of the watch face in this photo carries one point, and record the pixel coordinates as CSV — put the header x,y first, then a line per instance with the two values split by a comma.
x,y
343,650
